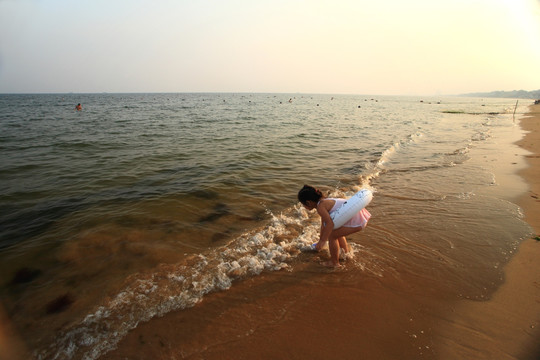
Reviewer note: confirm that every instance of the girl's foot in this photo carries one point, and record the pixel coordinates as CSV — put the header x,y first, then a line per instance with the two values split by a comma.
x,y
345,255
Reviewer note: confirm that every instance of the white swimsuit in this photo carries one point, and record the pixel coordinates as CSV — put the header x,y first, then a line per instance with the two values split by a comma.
x,y
360,219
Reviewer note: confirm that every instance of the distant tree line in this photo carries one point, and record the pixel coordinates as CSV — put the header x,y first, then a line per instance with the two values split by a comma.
x,y
516,94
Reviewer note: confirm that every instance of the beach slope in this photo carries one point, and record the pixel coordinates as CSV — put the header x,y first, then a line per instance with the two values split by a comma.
x,y
508,325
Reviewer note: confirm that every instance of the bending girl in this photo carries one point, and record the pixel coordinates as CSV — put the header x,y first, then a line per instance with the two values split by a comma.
x,y
313,198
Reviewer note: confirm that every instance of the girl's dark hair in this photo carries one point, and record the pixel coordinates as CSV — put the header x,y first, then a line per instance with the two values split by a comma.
x,y
309,193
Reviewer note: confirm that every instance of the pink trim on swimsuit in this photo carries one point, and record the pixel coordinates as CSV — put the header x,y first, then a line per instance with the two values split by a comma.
x,y
360,219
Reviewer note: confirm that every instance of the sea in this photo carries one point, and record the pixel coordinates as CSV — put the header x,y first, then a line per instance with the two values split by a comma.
x,y
141,206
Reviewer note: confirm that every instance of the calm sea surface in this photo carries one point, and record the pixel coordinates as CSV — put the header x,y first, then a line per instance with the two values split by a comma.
x,y
141,204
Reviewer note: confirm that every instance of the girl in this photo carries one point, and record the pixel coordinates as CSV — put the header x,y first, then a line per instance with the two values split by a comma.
x,y
313,198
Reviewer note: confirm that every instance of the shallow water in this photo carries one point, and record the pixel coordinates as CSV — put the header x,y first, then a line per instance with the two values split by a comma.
x,y
142,204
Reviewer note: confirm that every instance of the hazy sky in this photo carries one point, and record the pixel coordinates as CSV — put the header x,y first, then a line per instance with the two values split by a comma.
x,y
394,47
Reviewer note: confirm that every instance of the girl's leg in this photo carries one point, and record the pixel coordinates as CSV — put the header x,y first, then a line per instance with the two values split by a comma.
x,y
343,248
336,241
333,245
343,243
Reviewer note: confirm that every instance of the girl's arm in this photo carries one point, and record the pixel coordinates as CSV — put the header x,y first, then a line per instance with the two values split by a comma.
x,y
327,225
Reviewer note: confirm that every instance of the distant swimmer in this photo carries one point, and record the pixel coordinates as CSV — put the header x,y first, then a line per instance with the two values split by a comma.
x,y
78,107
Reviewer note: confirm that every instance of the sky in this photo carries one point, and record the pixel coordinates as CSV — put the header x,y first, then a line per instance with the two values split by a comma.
x,y
386,47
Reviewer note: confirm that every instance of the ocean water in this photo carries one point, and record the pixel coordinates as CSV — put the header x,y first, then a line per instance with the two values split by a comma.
x,y
144,204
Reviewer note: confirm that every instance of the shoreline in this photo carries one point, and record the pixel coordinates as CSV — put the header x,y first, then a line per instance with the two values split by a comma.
x,y
508,325
525,266
530,202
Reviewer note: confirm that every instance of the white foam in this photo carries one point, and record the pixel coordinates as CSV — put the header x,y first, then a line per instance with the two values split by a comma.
x,y
378,167
176,287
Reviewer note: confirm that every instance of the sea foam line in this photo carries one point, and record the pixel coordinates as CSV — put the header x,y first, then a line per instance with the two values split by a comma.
x,y
375,168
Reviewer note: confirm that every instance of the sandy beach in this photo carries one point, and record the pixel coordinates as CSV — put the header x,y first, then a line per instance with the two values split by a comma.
x,y
531,142
508,325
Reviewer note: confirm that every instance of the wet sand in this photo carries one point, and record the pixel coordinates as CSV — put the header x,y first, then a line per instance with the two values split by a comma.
x,y
508,326
310,313
317,313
